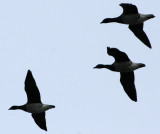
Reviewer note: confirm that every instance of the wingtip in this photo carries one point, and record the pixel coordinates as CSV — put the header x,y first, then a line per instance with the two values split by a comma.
x,y
28,76
29,71
45,129
148,44
150,47
121,4
134,99
108,48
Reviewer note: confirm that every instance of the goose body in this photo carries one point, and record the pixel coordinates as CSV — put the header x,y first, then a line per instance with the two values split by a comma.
x,y
37,107
126,68
34,104
135,20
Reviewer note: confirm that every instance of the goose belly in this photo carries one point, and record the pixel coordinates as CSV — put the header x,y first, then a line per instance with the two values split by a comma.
x,y
125,67
133,19
129,19
34,108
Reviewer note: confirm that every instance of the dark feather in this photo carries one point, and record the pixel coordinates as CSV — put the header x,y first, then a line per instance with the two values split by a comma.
x,y
31,89
140,34
40,120
127,81
118,55
129,9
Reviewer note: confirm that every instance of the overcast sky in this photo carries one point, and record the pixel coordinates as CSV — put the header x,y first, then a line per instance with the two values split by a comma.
x,y
60,42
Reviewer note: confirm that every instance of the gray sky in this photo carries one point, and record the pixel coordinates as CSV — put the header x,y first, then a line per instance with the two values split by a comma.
x,y
60,42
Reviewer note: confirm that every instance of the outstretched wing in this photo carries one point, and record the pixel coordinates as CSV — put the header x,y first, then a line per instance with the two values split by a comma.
x,y
129,9
31,89
40,120
140,34
118,55
127,81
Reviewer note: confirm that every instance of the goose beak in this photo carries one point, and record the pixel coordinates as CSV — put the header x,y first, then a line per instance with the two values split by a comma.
x,y
102,21
94,67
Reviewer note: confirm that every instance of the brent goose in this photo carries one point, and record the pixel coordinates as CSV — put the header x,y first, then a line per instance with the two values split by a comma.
x,y
126,67
34,104
135,20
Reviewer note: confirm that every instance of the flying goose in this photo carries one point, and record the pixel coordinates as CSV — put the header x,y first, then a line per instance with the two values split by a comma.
x,y
135,20
34,104
126,67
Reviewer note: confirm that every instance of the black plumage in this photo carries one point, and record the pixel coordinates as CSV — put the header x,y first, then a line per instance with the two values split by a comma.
x,y
129,9
126,76
135,21
31,89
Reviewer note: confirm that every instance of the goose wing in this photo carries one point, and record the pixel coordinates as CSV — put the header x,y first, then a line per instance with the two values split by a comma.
x,y
31,89
137,29
127,81
40,120
129,9
118,55
123,57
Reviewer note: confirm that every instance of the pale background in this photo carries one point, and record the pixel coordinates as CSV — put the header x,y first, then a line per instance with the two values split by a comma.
x,y
60,42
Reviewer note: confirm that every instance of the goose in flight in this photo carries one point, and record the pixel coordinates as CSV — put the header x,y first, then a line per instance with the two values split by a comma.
x,y
135,21
126,67
34,104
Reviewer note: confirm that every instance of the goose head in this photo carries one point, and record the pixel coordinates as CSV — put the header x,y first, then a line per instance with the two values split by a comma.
x,y
14,108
